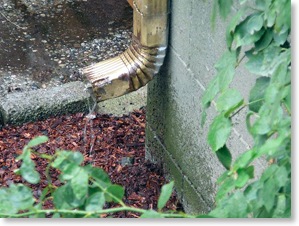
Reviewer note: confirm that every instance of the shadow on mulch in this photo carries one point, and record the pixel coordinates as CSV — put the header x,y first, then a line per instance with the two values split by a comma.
x,y
116,144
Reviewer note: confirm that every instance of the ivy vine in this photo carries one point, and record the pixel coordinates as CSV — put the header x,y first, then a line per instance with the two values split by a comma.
x,y
264,35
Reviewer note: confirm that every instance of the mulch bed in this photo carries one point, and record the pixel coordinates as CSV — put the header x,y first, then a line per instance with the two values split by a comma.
x,y
116,144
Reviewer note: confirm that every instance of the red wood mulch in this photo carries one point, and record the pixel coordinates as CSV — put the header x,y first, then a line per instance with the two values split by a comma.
x,y
105,141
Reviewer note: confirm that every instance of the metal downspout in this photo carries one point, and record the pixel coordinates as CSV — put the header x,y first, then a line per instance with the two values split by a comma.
x,y
138,65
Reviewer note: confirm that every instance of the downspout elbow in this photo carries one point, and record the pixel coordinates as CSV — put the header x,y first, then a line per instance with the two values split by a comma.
x,y
138,65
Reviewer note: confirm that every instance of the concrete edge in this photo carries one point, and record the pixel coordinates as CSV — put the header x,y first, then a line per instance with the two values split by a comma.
x,y
21,107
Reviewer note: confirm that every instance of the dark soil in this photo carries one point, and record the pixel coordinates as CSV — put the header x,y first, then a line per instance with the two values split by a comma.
x,y
115,144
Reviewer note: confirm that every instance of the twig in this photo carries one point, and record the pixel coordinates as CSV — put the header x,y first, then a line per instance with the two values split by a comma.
x,y
22,28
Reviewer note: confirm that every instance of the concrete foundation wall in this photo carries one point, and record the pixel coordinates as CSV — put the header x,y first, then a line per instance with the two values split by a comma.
x,y
174,135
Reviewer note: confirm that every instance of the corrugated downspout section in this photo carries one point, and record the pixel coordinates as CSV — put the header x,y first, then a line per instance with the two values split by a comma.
x,y
141,61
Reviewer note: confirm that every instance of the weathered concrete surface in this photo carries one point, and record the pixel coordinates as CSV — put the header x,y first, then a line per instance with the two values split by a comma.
x,y
28,106
174,135
18,108
124,104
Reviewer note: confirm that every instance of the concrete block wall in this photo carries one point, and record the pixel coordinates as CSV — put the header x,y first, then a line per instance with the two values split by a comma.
x,y
174,135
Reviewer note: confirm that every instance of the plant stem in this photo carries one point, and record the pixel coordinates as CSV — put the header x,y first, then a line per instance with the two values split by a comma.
x,y
86,213
105,191
239,62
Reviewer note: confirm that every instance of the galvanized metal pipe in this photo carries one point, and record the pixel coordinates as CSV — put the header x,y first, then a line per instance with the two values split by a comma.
x,y
141,61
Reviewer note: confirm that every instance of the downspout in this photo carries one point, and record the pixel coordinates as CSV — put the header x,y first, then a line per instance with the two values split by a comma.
x,y
138,65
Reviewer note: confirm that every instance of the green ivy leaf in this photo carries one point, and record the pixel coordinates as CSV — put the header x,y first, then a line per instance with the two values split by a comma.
x,y
250,171
242,178
60,197
261,127
56,215
269,172
229,101
115,193
6,207
228,59
261,4
151,214
15,198
66,197
263,124
280,39
271,146
282,176
270,190
255,63
210,93
70,171
224,7
79,184
266,62
282,75
264,42
165,195
27,169
251,194
224,157
232,26
99,175
256,97
283,19
244,159
270,17
226,186
66,157
281,207
29,173
37,141
219,132
21,196
225,77
243,33
272,95
255,23
95,202
234,206
225,73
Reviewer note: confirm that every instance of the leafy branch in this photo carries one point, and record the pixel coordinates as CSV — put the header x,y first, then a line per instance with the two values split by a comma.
x,y
264,30
84,193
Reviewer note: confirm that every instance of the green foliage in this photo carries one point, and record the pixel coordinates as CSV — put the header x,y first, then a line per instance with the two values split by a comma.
x,y
166,192
224,157
84,192
264,33
15,198
219,132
